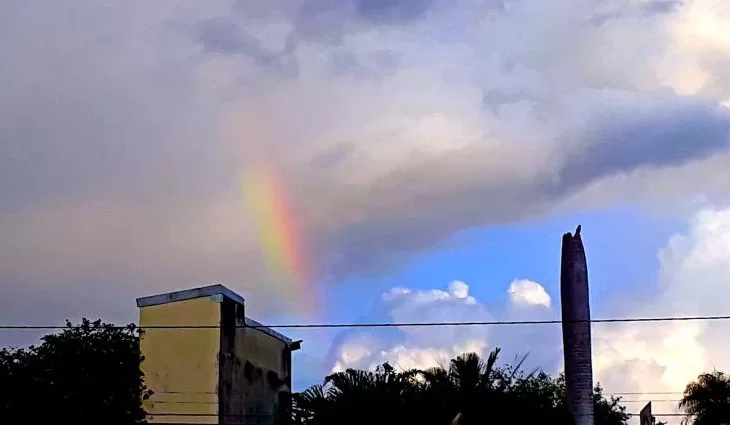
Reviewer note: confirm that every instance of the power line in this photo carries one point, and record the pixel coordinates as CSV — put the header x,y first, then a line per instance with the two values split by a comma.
x,y
157,393
204,402
267,415
229,415
203,393
606,393
643,400
390,325
647,393
661,414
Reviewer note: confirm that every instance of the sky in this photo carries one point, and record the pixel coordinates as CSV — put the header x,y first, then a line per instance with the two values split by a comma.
x,y
422,159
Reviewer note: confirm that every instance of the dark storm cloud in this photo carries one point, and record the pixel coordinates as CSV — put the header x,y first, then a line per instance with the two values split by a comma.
x,y
668,133
664,131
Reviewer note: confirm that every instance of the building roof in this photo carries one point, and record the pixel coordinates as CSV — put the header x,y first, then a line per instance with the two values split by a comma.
x,y
208,291
267,330
189,294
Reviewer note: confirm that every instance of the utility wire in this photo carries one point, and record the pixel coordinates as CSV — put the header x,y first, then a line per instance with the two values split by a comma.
x,y
660,414
616,393
647,393
204,393
170,401
265,415
418,324
392,325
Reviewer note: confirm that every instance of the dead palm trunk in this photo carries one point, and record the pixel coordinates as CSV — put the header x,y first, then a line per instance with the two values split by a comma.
x,y
576,315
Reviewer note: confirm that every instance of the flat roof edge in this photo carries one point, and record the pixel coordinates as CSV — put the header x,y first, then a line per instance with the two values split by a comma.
x,y
189,294
267,330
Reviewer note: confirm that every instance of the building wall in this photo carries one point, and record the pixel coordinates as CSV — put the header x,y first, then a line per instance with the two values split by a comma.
x,y
265,355
231,395
180,365
260,366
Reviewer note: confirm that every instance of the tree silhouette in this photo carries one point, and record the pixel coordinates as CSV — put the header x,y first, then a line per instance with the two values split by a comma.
x,y
359,397
477,390
85,374
706,401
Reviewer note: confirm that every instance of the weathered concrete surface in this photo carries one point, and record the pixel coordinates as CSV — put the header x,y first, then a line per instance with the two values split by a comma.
x,y
576,316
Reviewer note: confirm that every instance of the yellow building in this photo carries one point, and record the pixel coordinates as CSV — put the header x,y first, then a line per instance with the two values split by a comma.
x,y
207,363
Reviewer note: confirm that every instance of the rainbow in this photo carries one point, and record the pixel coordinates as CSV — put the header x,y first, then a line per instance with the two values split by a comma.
x,y
279,235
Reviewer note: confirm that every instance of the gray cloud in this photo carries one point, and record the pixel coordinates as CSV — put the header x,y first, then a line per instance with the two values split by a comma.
x,y
126,131
659,132
219,36
225,37
421,206
642,10
389,11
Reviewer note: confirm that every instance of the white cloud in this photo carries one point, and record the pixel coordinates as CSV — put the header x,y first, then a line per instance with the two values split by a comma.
x,y
459,289
693,280
404,356
410,347
422,347
527,292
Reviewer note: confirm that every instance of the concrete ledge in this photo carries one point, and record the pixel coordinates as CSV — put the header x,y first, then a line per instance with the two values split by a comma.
x,y
258,326
189,294
216,293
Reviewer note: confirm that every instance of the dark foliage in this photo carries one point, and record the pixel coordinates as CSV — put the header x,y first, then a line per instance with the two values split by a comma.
x,y
480,389
706,401
85,374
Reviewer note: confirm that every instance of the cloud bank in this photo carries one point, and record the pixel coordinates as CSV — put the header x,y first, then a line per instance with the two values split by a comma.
x,y
424,347
127,129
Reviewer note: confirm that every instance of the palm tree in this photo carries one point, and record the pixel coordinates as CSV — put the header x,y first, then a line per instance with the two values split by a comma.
x,y
359,397
707,400
311,406
470,387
